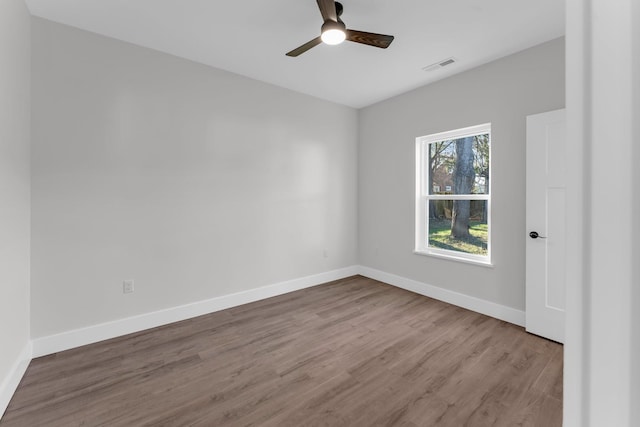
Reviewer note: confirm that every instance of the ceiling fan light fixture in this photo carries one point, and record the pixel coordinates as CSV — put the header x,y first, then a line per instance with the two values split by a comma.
x,y
333,37
333,32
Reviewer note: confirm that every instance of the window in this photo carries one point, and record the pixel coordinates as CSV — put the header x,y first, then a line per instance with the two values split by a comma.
x,y
454,223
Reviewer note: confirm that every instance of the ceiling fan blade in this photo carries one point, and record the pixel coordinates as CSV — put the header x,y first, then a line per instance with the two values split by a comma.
x,y
328,9
378,40
305,47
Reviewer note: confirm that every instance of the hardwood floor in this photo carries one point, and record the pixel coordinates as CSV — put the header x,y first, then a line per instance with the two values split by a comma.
x,y
354,352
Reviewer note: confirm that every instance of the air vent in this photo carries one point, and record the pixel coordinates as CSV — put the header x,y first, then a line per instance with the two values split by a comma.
x,y
439,64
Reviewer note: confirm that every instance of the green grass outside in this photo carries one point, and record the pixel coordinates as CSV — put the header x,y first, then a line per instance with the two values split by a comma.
x,y
440,237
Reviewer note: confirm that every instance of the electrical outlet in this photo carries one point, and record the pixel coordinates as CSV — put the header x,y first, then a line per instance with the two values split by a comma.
x,y
127,286
325,253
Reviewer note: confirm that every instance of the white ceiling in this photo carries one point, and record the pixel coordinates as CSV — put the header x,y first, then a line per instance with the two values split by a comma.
x,y
251,37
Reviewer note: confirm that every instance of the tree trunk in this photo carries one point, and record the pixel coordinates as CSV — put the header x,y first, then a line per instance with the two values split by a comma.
x,y
463,176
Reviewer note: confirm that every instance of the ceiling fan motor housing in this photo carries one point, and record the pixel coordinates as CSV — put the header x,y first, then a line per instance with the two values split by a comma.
x,y
333,25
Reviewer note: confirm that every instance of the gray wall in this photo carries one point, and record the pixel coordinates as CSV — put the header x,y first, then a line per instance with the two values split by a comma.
x,y
503,92
15,61
192,181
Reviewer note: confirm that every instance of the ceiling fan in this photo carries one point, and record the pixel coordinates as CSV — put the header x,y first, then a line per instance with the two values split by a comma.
x,y
334,31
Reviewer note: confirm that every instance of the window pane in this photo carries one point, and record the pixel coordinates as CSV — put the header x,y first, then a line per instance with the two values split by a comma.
x,y
458,225
459,166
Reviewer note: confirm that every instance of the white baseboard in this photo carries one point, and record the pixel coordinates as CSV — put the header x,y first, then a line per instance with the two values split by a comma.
x,y
79,337
478,305
9,385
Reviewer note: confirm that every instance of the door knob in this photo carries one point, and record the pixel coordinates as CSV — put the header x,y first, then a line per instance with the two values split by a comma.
x,y
535,235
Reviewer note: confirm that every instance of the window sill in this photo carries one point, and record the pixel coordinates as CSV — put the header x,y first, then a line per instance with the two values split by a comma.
x,y
448,257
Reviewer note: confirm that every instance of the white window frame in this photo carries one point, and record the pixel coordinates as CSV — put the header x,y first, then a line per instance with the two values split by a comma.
x,y
423,197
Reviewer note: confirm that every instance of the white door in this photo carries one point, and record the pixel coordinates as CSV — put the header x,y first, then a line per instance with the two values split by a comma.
x,y
546,249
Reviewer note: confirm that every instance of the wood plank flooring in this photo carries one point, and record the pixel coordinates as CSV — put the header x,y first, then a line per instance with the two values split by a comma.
x,y
355,352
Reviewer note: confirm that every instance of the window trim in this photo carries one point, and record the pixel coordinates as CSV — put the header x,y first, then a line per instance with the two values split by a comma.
x,y
422,197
